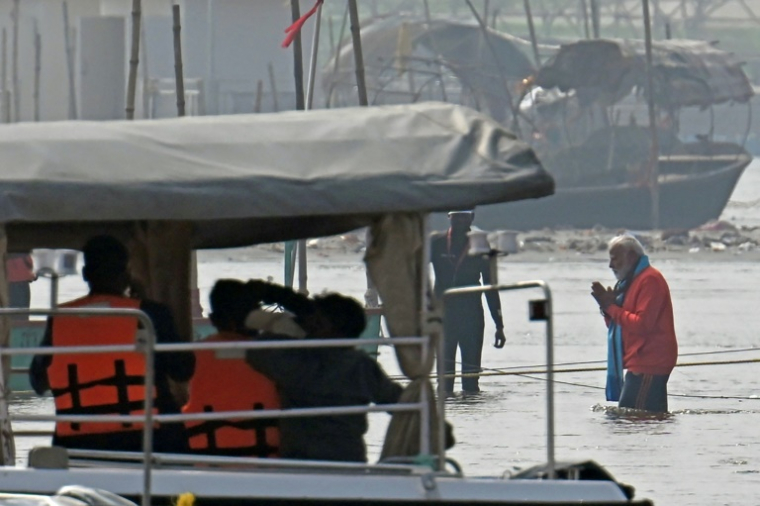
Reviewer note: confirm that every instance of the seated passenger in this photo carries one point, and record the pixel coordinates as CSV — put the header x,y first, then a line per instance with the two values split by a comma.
x,y
109,383
224,382
326,377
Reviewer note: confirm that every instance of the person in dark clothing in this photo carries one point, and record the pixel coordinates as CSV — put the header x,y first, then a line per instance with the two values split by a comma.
x,y
463,314
97,383
326,377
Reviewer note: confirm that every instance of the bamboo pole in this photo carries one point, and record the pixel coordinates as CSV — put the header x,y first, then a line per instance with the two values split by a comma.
x,y
68,43
145,74
313,60
273,85
302,256
14,62
361,84
532,31
295,10
134,58
584,11
512,106
37,70
370,296
6,102
654,149
595,21
178,72
337,52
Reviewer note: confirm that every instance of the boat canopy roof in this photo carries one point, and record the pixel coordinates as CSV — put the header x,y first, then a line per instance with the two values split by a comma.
x,y
686,72
249,179
395,46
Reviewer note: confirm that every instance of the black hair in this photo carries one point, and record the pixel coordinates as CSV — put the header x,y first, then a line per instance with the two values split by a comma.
x,y
231,302
345,314
104,257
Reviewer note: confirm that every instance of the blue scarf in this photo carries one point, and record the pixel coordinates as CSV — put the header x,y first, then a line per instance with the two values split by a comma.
x,y
615,337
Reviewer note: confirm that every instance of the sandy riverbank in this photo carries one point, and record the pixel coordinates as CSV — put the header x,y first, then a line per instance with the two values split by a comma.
x,y
715,241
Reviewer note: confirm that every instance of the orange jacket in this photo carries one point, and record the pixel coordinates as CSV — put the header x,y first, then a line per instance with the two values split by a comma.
x,y
646,322
229,384
97,383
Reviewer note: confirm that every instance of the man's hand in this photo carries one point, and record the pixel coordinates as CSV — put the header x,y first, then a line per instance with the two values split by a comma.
x,y
604,296
499,339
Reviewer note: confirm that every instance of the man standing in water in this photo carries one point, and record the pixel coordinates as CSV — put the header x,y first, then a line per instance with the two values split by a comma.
x,y
641,334
463,314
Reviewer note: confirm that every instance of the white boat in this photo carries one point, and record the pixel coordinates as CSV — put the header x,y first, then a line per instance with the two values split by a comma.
x,y
171,186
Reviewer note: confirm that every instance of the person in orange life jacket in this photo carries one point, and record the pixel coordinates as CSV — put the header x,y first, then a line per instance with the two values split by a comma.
x,y
19,268
638,312
463,314
227,383
110,383
325,377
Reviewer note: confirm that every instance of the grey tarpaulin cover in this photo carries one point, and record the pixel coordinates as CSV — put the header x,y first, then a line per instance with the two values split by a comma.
x,y
258,178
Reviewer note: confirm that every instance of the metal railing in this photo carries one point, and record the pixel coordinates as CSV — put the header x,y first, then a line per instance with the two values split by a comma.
x,y
539,311
145,343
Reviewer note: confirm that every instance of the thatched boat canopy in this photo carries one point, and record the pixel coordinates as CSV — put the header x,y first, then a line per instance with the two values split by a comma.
x,y
686,73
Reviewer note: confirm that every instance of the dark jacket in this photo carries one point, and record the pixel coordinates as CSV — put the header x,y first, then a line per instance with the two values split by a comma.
x,y
321,378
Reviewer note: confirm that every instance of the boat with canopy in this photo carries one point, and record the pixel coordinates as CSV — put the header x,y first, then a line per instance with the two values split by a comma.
x,y
168,187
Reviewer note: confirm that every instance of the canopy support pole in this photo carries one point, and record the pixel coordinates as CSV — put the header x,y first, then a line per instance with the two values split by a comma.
x,y
654,147
7,447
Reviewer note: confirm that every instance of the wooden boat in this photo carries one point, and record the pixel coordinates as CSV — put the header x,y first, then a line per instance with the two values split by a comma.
x,y
693,189
169,186
582,112
585,116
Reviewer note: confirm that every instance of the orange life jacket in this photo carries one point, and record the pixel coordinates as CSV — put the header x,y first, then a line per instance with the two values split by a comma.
x,y
230,384
97,383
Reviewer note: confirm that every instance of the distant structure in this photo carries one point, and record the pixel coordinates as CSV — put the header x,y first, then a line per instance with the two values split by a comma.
x,y
231,49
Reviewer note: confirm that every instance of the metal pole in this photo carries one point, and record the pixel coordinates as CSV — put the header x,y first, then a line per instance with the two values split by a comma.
x,y
69,62
295,10
358,56
53,289
178,72
654,148
532,31
548,317
134,58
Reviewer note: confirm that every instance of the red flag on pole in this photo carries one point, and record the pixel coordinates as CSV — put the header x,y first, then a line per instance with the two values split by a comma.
x,y
295,28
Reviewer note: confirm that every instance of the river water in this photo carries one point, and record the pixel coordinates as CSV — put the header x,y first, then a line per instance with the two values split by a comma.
x,y
705,451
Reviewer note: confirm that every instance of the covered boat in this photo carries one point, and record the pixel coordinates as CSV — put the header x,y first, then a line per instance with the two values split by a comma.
x,y
588,114
169,186
409,59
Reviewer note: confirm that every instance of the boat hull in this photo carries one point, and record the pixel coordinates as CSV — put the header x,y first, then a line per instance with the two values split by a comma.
x,y
221,487
686,201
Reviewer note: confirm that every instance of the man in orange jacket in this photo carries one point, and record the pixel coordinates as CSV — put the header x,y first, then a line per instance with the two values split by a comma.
x,y
638,312
110,383
223,381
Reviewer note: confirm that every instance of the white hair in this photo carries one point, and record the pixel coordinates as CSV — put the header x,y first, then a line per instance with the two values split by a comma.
x,y
628,243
